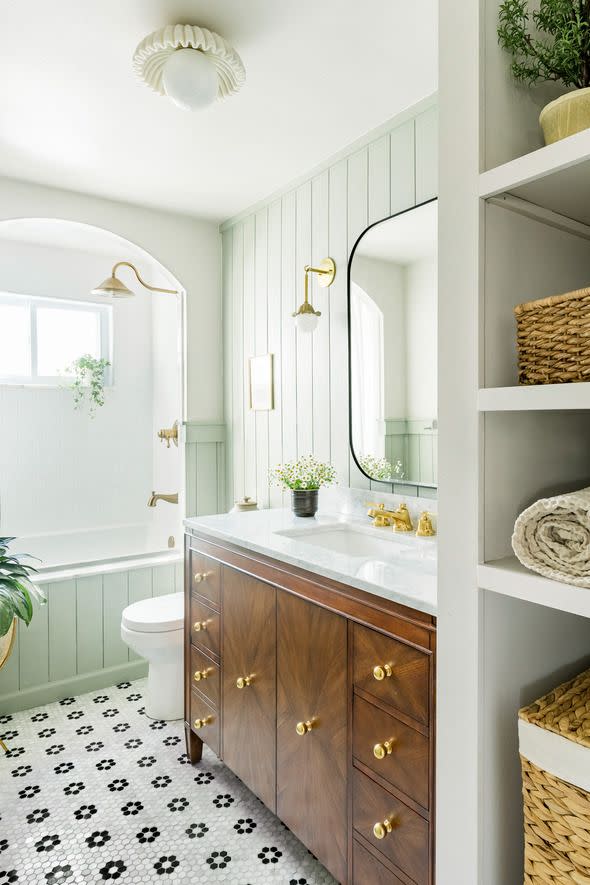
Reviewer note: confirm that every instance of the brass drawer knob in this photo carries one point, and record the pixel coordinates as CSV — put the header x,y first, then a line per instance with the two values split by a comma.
x,y
243,681
381,671
380,751
201,723
201,576
304,727
202,674
200,625
382,828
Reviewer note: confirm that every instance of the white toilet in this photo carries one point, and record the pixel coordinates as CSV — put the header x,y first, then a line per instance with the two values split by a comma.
x,y
153,628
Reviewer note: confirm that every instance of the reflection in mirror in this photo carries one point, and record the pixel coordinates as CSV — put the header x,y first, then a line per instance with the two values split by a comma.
x,y
393,348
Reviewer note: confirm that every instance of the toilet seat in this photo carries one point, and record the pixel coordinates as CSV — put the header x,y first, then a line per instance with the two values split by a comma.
x,y
157,614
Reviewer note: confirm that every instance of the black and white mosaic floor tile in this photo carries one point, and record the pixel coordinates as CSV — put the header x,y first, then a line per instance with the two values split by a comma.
x,y
92,791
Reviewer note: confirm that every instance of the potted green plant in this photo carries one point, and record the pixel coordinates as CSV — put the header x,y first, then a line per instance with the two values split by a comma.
x,y
304,478
17,593
88,384
551,44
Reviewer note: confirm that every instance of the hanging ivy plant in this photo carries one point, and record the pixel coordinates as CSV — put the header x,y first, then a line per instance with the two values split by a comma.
x,y
88,384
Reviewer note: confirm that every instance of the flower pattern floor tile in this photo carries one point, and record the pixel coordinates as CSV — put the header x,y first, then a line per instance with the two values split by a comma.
x,y
93,791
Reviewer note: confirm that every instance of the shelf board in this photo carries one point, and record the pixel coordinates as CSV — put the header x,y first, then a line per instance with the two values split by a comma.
x,y
542,397
510,578
555,177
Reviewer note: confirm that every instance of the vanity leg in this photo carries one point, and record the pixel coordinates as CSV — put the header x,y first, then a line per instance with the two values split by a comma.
x,y
194,745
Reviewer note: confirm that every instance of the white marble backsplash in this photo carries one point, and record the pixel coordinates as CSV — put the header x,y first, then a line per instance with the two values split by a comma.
x,y
353,502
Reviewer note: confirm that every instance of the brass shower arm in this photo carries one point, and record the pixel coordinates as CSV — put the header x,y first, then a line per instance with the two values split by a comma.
x,y
142,281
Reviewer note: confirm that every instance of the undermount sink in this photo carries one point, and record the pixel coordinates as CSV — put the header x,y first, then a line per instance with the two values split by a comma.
x,y
363,542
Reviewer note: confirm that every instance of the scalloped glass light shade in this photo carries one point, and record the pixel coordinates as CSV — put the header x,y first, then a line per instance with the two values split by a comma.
x,y
190,79
306,322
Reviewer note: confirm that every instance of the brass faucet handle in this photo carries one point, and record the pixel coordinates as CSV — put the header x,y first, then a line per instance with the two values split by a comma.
x,y
425,528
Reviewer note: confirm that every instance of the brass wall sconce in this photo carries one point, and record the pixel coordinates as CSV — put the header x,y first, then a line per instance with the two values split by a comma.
x,y
306,317
113,287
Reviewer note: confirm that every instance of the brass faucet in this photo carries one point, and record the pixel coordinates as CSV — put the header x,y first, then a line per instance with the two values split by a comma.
x,y
169,433
170,499
425,528
400,519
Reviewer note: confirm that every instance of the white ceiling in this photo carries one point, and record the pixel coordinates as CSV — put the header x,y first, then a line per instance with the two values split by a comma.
x,y
320,73
404,238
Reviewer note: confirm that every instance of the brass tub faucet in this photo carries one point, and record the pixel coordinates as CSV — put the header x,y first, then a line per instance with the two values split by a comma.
x,y
170,499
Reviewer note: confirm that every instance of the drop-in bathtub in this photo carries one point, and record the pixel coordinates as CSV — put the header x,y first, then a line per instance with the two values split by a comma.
x,y
73,643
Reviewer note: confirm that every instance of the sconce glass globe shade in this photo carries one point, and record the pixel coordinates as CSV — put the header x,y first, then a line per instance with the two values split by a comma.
x,y
306,322
190,79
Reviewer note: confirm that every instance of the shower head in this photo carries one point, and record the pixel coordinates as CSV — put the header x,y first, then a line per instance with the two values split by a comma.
x,y
113,287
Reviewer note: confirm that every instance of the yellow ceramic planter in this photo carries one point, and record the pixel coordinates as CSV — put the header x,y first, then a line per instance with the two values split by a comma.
x,y
7,642
568,114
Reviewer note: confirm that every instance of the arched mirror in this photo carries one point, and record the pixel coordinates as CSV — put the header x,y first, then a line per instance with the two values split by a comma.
x,y
392,314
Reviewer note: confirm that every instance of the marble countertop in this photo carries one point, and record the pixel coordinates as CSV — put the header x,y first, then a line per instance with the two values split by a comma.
x,y
403,570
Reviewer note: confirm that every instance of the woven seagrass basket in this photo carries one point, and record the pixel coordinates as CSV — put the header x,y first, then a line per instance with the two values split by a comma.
x,y
554,736
553,339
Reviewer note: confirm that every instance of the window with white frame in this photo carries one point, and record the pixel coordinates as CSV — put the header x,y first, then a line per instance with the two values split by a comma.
x,y
40,338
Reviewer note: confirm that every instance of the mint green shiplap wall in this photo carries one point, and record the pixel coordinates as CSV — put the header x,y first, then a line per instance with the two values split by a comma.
x,y
205,468
264,253
73,643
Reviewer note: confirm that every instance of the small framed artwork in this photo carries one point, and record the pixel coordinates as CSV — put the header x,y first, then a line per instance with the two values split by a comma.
x,y
261,383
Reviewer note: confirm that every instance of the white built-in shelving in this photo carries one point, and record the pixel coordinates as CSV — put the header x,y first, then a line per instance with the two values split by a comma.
x,y
509,577
543,397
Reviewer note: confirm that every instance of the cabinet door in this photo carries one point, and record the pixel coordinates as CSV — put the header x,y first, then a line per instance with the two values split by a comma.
x,y
249,682
312,693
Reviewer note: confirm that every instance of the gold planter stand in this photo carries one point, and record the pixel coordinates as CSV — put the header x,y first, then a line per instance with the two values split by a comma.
x,y
6,646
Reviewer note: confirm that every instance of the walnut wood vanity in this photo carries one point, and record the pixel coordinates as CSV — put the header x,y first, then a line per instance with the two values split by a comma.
x,y
320,697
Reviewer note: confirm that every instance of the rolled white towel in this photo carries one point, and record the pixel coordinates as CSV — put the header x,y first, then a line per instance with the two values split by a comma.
x,y
552,537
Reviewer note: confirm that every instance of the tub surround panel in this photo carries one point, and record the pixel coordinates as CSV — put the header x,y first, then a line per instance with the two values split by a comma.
x,y
73,643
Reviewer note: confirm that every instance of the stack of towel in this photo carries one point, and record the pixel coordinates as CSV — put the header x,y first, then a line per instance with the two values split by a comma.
x,y
552,537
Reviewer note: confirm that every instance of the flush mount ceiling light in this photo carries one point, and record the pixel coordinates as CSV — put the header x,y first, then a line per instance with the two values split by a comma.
x,y
306,317
112,287
192,66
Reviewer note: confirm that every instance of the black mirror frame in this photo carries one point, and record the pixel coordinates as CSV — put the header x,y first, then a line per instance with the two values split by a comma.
x,y
417,485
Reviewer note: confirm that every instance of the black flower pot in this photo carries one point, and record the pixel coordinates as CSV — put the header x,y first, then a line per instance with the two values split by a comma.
x,y
304,502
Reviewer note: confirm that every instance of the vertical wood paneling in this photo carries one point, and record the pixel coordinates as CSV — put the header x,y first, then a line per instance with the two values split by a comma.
x,y
275,418
323,216
320,236
33,646
115,599
358,219
338,240
289,302
403,172
427,155
261,347
190,469
164,580
10,672
305,372
89,626
249,350
379,184
140,587
237,426
206,473
62,630
228,374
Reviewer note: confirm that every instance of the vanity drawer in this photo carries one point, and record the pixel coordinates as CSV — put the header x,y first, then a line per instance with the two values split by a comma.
x,y
407,845
205,626
204,676
392,671
205,576
367,870
205,721
407,765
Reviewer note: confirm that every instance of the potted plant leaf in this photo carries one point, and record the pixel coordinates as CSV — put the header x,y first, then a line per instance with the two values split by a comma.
x,y
304,478
551,43
88,383
17,593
